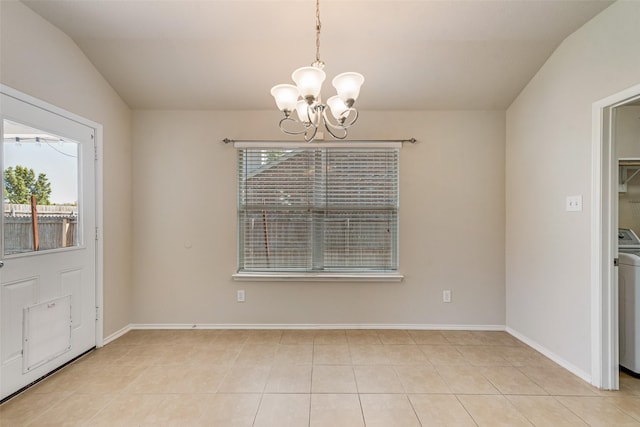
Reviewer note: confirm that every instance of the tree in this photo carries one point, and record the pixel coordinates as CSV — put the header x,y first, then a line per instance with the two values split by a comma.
x,y
20,183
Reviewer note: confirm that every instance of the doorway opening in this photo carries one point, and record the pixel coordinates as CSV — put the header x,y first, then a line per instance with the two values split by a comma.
x,y
604,239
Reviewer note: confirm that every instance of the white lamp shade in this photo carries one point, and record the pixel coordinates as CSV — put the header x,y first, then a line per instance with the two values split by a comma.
x,y
348,85
286,96
305,112
309,81
337,106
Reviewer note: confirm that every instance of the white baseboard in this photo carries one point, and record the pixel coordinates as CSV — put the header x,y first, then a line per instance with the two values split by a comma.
x,y
551,355
317,326
116,335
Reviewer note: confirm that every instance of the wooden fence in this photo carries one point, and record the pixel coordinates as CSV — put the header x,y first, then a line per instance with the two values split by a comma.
x,y
57,228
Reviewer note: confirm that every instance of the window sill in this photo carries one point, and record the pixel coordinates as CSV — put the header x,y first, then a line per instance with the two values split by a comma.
x,y
317,277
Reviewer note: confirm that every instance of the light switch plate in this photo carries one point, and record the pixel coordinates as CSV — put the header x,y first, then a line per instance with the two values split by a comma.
x,y
446,296
574,203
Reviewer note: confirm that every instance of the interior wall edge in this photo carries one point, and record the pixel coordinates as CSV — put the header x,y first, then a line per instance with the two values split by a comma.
x,y
550,354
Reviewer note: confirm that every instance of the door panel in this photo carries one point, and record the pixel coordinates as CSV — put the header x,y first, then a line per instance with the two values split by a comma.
x,y
48,281
71,282
15,296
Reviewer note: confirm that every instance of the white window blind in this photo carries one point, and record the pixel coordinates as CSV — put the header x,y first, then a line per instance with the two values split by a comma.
x,y
318,210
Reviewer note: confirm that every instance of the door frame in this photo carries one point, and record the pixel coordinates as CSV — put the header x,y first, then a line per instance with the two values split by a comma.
x,y
99,267
604,243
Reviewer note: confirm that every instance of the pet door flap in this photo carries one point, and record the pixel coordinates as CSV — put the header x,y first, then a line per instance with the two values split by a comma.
x,y
47,332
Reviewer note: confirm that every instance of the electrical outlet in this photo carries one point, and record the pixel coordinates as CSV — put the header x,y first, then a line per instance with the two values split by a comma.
x,y
240,295
446,296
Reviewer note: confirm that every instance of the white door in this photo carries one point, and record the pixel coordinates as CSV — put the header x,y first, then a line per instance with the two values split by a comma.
x,y
48,276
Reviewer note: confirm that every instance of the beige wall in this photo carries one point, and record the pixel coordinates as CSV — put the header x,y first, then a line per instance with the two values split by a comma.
x,y
452,212
452,225
452,196
548,155
41,61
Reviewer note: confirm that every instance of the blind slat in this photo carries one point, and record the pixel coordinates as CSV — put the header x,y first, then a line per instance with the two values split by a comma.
x,y
318,209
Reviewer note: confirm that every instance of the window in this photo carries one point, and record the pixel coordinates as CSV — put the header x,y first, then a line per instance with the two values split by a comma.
x,y
316,210
41,176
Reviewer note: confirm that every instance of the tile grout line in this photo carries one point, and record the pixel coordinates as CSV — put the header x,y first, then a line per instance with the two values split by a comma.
x,y
395,366
466,410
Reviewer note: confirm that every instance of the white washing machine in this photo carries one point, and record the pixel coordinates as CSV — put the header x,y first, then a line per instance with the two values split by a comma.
x,y
629,300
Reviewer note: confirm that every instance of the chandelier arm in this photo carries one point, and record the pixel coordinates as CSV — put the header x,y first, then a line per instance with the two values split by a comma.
x,y
311,109
289,132
346,115
309,138
333,134
330,127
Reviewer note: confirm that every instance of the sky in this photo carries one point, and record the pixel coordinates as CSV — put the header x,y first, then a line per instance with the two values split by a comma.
x,y
58,160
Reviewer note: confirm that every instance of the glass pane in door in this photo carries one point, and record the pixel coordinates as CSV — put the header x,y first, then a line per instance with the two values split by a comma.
x,y
40,177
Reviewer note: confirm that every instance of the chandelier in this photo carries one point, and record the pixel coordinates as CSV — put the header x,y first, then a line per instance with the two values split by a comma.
x,y
304,98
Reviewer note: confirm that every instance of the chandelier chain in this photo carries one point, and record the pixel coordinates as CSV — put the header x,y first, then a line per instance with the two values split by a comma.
x,y
318,27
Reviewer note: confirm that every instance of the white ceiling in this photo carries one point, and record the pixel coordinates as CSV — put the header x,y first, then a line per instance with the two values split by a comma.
x,y
216,54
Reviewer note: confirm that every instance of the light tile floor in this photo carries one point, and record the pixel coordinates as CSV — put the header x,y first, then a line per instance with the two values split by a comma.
x,y
319,378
